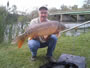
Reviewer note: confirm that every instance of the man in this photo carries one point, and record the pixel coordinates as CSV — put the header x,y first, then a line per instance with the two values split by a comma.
x,y
40,42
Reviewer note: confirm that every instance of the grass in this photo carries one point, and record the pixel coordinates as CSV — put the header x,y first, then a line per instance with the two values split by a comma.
x,y
12,57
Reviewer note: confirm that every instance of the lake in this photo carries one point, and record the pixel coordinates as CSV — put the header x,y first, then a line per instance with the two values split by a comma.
x,y
81,29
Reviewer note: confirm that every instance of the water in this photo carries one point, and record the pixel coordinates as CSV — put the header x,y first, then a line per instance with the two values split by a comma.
x,y
13,30
75,24
76,32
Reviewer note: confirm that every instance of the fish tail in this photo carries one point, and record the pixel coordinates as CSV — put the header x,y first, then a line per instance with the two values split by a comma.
x,y
19,41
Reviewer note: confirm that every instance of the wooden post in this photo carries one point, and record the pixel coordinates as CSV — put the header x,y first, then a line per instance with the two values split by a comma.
x,y
77,17
61,18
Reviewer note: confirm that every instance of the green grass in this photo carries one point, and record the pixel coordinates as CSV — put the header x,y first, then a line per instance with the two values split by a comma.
x,y
12,57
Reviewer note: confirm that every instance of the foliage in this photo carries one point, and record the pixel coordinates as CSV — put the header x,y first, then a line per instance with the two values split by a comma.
x,y
3,14
64,8
10,17
33,14
75,7
52,10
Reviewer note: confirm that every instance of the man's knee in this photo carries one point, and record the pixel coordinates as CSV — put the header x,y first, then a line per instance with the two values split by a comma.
x,y
54,37
33,44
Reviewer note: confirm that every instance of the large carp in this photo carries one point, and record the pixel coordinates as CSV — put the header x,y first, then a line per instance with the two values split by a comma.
x,y
42,29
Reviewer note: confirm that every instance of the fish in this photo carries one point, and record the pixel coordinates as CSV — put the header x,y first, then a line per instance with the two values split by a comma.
x,y
42,29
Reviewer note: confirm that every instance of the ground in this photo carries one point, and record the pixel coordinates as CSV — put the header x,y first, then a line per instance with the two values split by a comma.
x,y
12,57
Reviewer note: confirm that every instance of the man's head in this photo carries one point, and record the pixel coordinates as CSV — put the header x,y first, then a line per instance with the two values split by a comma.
x,y
43,13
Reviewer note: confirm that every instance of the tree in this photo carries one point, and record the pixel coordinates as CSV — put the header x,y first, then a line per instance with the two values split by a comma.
x,y
33,14
64,8
3,15
53,10
75,7
86,4
14,9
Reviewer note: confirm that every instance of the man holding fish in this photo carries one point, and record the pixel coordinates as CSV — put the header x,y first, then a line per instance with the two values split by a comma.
x,y
42,41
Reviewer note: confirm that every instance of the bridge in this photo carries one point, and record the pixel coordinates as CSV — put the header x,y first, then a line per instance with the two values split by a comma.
x,y
70,15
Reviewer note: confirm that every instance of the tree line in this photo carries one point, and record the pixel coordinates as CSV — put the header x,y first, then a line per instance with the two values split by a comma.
x,y
10,15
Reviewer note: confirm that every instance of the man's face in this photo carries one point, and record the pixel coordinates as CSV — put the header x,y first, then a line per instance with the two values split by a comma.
x,y
43,14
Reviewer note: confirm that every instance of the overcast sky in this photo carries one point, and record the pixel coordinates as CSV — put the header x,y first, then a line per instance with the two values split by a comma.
x,y
30,5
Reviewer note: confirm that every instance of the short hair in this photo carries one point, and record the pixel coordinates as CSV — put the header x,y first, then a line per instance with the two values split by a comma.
x,y
43,8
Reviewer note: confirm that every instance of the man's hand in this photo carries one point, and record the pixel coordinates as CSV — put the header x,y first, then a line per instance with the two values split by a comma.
x,y
57,34
30,38
45,37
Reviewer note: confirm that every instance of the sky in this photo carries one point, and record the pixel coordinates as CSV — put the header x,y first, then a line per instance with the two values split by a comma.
x,y
29,5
